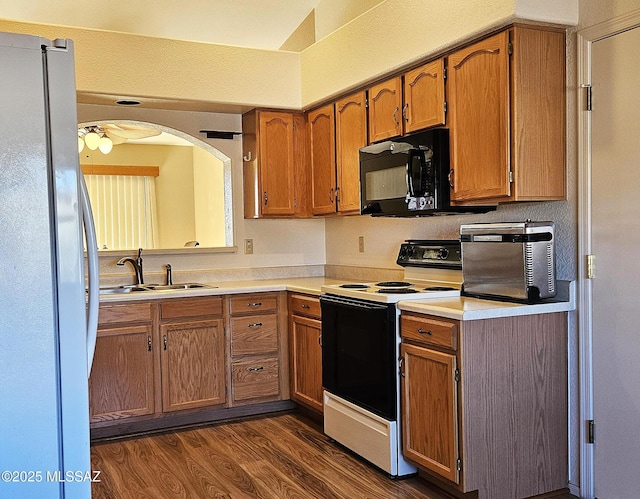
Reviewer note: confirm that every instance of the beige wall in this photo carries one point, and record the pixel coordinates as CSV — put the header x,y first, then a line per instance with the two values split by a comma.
x,y
129,65
208,184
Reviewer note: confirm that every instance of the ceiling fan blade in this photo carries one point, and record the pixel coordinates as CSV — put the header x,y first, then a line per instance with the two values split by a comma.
x,y
133,132
116,139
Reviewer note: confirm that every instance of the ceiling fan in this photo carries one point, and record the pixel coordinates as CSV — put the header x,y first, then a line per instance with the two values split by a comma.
x,y
105,135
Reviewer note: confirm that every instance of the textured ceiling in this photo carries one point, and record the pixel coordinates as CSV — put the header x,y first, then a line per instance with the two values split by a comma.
x,y
247,23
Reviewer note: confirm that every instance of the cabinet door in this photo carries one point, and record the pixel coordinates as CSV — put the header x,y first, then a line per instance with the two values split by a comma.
x,y
121,382
276,163
306,361
478,94
385,110
424,97
430,410
193,373
351,135
322,156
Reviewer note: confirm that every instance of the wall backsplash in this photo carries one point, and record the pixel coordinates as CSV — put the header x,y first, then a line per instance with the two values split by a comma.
x,y
384,235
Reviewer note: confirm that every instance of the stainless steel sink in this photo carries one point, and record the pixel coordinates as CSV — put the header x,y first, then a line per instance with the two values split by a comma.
x,y
134,288
121,289
189,285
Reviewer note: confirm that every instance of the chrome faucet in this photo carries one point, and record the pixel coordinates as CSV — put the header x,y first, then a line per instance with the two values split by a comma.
x,y
169,275
136,264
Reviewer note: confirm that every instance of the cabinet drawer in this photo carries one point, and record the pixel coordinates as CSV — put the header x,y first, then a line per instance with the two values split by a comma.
x,y
430,330
304,305
249,304
125,312
255,334
255,379
191,307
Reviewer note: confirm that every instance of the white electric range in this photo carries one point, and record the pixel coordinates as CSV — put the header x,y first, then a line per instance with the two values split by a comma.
x,y
361,350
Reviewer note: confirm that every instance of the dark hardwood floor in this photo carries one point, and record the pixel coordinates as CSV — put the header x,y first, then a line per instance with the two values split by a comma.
x,y
283,456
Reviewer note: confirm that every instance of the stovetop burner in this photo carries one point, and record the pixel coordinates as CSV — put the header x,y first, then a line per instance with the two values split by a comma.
x,y
394,284
354,286
439,288
397,291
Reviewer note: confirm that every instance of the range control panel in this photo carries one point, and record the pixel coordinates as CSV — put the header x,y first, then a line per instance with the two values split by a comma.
x,y
444,254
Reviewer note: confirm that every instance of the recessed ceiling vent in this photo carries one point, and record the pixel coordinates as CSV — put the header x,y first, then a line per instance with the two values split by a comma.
x,y
128,102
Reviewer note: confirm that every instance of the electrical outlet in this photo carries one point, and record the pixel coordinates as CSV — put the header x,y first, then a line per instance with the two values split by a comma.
x,y
361,244
248,246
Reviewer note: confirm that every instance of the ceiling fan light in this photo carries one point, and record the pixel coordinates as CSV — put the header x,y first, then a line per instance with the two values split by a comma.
x,y
92,140
80,144
105,145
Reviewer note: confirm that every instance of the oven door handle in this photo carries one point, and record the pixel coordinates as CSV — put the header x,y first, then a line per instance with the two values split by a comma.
x,y
352,302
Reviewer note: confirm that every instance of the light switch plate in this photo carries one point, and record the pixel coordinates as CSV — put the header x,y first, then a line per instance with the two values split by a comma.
x,y
248,246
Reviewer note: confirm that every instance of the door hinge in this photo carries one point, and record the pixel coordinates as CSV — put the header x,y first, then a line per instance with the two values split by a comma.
x,y
366,103
456,375
459,464
591,266
224,331
510,48
444,73
591,431
445,107
510,177
588,97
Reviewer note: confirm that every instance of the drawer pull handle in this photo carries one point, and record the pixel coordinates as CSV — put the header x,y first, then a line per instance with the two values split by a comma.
x,y
255,304
320,341
149,343
306,306
255,324
255,369
421,331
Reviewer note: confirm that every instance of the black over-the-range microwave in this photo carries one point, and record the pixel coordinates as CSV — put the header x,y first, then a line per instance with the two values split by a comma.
x,y
408,177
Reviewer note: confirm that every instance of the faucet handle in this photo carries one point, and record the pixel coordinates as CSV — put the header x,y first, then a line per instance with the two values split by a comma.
x,y
139,253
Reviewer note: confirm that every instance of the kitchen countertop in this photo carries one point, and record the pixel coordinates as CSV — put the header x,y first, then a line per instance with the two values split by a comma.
x,y
307,285
459,308
465,308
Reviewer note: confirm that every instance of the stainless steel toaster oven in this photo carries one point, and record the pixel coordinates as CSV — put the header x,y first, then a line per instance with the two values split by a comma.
x,y
510,261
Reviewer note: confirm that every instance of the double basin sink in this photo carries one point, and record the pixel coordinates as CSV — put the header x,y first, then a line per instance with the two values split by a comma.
x,y
135,288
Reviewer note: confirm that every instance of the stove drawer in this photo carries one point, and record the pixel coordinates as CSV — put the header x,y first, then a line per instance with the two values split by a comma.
x,y
430,330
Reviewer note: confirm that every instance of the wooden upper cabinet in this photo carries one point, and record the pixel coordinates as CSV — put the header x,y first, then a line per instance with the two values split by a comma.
x,y
424,104
385,110
322,157
351,135
273,151
507,117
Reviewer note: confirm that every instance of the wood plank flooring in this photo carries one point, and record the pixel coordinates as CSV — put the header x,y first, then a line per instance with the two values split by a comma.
x,y
283,456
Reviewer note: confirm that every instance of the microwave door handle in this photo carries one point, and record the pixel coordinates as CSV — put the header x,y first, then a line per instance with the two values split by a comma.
x,y
409,173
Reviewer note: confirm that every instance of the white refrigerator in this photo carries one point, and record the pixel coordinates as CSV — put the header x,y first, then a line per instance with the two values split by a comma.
x,y
47,335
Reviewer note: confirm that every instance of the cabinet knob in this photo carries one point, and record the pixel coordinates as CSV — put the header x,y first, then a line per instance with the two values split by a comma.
x,y
428,332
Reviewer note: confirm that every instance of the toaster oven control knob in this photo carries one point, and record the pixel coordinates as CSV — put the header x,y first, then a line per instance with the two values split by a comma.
x,y
443,254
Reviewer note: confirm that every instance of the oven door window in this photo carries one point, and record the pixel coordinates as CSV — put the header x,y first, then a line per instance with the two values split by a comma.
x,y
359,353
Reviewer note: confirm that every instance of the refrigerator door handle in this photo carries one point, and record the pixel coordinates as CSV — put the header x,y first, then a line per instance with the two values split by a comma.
x,y
93,272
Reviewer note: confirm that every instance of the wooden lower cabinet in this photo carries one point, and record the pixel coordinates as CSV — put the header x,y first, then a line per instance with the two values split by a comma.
x,y
258,348
484,402
193,373
122,375
431,398
305,350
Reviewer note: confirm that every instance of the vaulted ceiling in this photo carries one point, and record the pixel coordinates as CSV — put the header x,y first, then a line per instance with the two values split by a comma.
x,y
248,23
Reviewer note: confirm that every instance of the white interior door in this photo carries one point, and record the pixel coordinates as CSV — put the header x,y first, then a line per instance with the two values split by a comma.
x,y
615,232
